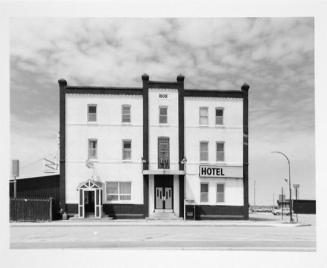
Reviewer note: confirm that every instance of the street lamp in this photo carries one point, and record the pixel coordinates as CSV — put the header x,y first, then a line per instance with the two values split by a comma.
x,y
289,181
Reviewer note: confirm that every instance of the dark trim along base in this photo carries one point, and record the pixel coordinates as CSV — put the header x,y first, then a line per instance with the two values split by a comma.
x,y
116,211
207,212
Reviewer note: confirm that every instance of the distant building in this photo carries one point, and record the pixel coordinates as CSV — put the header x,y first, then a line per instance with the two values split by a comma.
x,y
140,152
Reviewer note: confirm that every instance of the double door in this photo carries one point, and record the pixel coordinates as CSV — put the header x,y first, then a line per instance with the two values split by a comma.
x,y
163,192
164,198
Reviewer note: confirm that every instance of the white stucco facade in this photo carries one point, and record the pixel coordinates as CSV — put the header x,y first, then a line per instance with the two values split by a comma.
x,y
230,132
152,186
109,132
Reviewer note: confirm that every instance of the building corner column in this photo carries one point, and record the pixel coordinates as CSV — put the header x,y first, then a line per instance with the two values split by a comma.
x,y
245,90
62,137
145,158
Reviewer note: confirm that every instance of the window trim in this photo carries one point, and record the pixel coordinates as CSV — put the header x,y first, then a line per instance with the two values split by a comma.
x,y
223,142
130,113
220,183
123,141
200,160
207,108
118,192
206,183
222,109
163,106
88,149
96,113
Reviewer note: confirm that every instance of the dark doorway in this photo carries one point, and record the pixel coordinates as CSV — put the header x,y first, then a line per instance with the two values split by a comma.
x,y
89,203
164,192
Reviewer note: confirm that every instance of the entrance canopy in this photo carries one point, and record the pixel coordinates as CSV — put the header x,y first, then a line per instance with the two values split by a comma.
x,y
163,172
90,185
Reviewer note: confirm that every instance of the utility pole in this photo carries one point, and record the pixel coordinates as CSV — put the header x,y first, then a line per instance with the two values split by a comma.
x,y
273,200
289,181
254,194
282,203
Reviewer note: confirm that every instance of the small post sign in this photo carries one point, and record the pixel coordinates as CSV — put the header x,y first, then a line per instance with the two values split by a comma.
x,y
15,174
15,168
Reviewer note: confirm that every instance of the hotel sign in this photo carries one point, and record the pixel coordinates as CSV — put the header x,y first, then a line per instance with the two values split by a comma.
x,y
213,171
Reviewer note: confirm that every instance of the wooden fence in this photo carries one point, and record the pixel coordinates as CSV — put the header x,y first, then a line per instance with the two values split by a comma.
x,y
31,209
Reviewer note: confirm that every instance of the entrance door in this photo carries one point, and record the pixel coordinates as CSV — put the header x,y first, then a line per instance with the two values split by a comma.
x,y
168,198
89,202
159,198
81,210
163,186
98,203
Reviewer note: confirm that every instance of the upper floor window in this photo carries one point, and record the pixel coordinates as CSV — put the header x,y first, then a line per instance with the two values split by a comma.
x,y
92,113
203,120
126,113
92,148
220,151
220,193
204,154
118,190
163,114
204,192
127,149
219,116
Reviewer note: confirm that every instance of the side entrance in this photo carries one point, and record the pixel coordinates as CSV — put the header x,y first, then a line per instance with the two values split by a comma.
x,y
164,192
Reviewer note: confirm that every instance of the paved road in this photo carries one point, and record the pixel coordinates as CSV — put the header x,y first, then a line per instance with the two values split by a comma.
x,y
167,237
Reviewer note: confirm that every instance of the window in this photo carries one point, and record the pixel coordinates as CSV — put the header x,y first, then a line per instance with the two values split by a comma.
x,y
204,116
163,152
127,149
126,114
204,192
204,151
220,193
91,113
220,151
163,114
219,116
118,190
92,146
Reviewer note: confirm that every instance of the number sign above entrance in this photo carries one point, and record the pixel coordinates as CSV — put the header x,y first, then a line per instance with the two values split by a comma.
x,y
213,171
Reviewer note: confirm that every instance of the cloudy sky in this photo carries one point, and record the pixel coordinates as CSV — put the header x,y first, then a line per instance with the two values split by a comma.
x,y
275,56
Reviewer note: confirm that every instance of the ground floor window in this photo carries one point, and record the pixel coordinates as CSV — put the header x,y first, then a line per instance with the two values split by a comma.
x,y
220,193
204,190
118,190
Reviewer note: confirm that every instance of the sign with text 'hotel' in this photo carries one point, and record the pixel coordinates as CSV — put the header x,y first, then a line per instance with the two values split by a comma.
x,y
213,171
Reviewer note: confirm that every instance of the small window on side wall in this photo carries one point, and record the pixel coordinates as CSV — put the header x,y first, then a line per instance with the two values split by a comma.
x,y
220,151
92,149
204,192
204,151
163,114
92,113
203,119
126,113
220,193
118,190
219,116
127,149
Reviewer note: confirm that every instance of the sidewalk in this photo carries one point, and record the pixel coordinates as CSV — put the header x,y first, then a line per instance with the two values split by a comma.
x,y
252,222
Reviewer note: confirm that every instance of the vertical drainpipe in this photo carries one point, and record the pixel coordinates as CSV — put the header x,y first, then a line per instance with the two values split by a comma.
x,y
145,158
245,89
62,157
181,153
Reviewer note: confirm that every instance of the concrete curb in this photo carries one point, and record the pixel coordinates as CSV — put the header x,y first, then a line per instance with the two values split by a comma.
x,y
155,223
